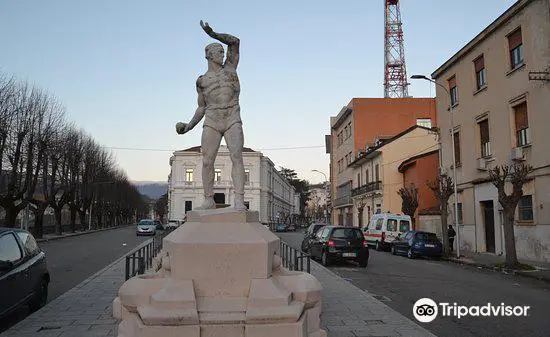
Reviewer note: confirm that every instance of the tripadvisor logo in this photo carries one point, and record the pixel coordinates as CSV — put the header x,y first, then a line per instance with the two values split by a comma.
x,y
426,310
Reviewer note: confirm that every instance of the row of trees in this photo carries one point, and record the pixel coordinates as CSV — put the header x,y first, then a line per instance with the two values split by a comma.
x,y
515,175
46,161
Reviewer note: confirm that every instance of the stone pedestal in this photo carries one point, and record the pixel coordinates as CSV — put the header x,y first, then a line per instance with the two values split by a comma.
x,y
220,274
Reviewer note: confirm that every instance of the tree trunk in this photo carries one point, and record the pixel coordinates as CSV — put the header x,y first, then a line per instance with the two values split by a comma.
x,y
509,240
445,230
38,228
73,219
11,215
82,216
58,228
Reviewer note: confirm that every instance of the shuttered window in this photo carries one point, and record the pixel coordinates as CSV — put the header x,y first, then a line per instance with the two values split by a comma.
x,y
479,66
515,44
522,124
457,148
484,136
453,89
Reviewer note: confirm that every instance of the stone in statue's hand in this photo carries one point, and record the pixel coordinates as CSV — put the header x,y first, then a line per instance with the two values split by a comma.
x,y
181,128
206,28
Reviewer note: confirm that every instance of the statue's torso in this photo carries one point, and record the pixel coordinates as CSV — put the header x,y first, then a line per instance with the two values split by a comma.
x,y
221,93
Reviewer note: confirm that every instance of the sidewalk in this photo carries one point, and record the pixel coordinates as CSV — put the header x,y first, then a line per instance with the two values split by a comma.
x,y
85,311
489,261
50,237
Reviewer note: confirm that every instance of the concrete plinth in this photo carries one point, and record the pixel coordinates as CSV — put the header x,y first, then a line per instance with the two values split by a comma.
x,y
220,274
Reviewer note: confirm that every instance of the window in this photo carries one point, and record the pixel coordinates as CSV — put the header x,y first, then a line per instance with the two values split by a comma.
x,y
457,148
459,207
379,224
367,176
189,175
188,205
525,208
247,176
522,125
217,175
325,233
479,66
425,122
347,233
376,172
358,179
515,44
453,89
9,249
247,204
404,226
484,137
392,225
29,243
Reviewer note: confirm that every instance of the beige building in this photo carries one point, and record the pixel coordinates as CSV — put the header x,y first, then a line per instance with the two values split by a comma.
x,y
376,176
500,89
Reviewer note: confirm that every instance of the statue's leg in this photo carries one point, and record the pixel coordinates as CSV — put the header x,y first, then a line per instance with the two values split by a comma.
x,y
210,145
234,139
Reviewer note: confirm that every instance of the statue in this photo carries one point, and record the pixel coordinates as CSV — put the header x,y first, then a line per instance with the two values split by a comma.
x,y
218,102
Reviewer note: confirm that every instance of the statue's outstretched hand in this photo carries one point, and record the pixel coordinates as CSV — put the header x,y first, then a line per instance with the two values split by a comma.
x,y
181,128
207,28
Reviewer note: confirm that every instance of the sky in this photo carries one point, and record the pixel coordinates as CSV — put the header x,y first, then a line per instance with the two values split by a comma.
x,y
126,69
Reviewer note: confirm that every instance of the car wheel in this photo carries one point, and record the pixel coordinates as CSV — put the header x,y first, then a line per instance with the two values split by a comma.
x,y
393,250
378,246
410,254
40,298
325,259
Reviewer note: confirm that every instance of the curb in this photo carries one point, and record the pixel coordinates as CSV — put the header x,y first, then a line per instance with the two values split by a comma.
x,y
511,271
81,233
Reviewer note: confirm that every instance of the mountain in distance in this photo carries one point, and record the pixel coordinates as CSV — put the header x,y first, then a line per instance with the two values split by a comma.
x,y
152,189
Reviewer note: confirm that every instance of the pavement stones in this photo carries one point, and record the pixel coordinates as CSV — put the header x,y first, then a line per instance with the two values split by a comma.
x,y
85,310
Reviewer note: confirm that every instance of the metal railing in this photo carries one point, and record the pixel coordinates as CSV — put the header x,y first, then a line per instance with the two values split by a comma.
x,y
368,187
293,259
141,258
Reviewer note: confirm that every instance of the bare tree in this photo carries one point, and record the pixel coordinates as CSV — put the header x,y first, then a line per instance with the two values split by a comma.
x,y
442,188
409,201
517,176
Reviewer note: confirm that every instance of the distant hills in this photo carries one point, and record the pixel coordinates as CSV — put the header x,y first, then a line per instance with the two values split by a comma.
x,y
152,189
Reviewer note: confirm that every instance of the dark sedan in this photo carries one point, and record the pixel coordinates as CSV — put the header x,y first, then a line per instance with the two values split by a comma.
x,y
24,276
310,235
418,243
333,243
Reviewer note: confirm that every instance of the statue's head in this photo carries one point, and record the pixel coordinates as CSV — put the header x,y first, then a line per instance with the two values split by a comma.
x,y
214,52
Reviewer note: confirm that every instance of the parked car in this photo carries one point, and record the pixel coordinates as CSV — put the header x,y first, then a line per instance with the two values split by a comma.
x,y
310,234
418,243
334,243
146,227
173,224
24,275
383,229
280,228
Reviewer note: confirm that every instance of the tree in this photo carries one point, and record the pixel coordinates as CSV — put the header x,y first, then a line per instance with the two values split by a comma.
x,y
517,175
409,201
161,206
442,188
301,187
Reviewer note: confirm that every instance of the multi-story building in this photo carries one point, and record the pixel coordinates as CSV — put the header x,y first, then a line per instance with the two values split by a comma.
x,y
266,190
377,177
363,123
317,203
499,85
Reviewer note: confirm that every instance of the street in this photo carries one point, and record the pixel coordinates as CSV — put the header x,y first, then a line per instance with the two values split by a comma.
x,y
72,260
399,283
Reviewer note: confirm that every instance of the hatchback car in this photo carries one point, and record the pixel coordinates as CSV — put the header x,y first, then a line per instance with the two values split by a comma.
x,y
146,227
24,275
310,234
418,243
334,243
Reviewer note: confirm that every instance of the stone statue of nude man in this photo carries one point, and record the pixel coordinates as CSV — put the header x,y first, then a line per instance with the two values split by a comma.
x,y
218,102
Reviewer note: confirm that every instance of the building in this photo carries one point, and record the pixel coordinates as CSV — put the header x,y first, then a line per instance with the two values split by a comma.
x,y
317,203
377,177
363,123
499,86
266,191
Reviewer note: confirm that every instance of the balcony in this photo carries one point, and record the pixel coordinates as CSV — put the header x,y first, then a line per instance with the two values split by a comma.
x,y
368,187
342,201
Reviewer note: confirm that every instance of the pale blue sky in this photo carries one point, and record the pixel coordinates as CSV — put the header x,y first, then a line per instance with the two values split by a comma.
x,y
126,69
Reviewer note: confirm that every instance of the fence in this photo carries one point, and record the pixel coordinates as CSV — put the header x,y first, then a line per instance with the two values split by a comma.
x,y
293,259
141,258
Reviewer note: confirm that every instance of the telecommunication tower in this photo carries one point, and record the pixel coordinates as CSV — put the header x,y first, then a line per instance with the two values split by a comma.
x,y
395,72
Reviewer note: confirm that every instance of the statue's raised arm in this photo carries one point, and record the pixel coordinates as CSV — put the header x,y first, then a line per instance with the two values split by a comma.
x,y
231,41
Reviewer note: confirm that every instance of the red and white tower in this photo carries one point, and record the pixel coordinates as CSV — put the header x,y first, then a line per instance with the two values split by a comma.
x,y
395,72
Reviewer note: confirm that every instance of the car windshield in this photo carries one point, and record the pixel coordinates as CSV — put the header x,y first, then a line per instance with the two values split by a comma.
x,y
146,223
427,237
347,233
404,226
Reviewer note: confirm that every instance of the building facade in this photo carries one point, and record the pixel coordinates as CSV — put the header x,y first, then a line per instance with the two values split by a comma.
x,y
363,123
499,86
266,191
377,177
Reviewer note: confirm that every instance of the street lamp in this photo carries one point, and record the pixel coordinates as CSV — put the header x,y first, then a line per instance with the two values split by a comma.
x,y
452,109
326,190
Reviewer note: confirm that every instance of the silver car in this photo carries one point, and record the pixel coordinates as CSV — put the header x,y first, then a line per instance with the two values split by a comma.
x,y
146,227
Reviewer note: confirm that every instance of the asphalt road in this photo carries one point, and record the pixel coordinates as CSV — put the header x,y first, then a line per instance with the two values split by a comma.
x,y
400,282
71,260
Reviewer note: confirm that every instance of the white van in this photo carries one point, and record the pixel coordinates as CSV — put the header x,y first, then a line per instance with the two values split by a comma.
x,y
383,229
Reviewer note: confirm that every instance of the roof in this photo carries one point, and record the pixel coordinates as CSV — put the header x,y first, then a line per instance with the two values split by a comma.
x,y
386,142
403,166
500,21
